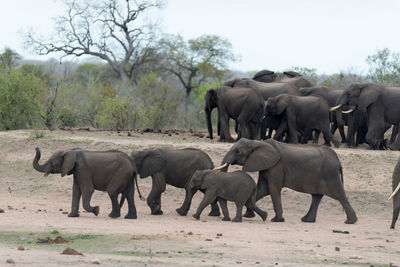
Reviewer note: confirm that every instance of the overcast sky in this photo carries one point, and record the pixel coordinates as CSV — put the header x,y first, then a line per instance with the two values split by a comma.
x,y
330,36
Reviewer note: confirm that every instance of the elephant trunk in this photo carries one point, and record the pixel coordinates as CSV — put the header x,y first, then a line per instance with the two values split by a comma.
x,y
40,168
209,122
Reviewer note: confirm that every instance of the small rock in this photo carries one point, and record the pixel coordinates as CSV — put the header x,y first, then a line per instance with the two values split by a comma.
x,y
355,257
96,261
238,262
318,246
257,262
71,251
337,249
219,234
190,233
60,209
10,208
11,261
21,248
1,211
65,212
208,239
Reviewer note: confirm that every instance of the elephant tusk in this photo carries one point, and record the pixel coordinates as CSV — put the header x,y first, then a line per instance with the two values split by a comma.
x,y
394,192
44,175
221,167
348,111
335,108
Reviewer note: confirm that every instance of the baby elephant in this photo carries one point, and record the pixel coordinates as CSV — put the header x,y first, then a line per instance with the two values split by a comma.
x,y
236,186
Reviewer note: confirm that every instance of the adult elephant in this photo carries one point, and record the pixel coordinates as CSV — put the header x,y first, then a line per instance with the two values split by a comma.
x,y
174,167
315,170
395,194
381,103
268,76
244,105
111,171
300,113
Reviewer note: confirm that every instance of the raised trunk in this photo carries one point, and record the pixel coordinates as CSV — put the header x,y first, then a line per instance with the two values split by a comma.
x,y
36,165
209,122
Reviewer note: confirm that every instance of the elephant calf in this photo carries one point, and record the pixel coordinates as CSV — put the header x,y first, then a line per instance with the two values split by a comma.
x,y
236,186
111,171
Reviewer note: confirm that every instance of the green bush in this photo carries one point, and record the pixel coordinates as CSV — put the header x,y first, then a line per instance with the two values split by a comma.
x,y
112,113
66,117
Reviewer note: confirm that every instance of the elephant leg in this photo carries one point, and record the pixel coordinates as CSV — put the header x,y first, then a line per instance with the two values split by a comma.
x,y
76,196
214,209
239,210
275,188
316,136
312,212
209,197
224,207
116,211
395,131
225,131
396,144
154,198
282,129
263,131
337,192
251,205
86,197
396,209
262,191
130,192
183,210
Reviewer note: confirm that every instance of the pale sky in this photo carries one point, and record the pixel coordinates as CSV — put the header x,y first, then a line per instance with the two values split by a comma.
x,y
330,36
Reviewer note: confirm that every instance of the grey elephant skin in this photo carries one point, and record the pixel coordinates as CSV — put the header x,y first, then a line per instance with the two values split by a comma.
x,y
236,186
244,105
381,103
311,169
268,76
174,167
111,171
396,196
301,113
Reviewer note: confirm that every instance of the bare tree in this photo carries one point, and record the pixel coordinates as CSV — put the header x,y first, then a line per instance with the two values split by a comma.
x,y
115,31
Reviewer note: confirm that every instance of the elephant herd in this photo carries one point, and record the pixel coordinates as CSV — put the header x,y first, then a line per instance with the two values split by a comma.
x,y
287,104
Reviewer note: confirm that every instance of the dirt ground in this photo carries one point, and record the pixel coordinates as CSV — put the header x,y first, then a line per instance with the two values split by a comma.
x,y
35,208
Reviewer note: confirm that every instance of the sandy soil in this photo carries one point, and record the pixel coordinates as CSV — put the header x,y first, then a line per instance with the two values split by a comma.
x,y
36,206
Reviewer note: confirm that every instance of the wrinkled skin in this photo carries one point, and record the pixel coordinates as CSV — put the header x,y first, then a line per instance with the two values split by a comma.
x,y
236,186
244,105
111,171
396,198
293,166
300,112
381,103
174,167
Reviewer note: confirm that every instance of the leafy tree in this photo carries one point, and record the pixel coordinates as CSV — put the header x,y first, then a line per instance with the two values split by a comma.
x,y
384,67
308,73
9,58
112,113
341,80
112,30
196,61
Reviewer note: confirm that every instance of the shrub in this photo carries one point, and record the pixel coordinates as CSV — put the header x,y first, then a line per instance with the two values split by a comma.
x,y
66,117
112,113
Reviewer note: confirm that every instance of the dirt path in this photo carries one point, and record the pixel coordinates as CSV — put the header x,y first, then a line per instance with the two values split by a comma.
x,y
34,207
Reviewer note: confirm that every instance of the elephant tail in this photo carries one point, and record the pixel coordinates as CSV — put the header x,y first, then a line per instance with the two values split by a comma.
x,y
137,186
341,173
123,196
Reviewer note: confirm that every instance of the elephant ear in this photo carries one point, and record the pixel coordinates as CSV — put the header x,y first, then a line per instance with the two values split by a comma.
x,y
152,162
282,103
368,96
68,162
261,158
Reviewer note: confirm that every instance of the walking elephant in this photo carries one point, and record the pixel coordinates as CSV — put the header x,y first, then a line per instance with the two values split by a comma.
x,y
236,186
244,105
174,167
311,169
111,171
381,103
395,194
301,113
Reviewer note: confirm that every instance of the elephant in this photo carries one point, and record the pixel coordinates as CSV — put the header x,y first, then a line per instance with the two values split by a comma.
x,y
245,105
301,113
236,186
174,167
111,171
381,103
268,76
395,194
311,169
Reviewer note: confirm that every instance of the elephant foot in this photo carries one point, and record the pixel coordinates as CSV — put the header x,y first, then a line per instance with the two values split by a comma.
x,y
351,220
73,214
277,219
226,219
214,213
181,211
114,214
264,216
237,219
229,140
96,210
157,212
196,216
130,216
307,219
249,214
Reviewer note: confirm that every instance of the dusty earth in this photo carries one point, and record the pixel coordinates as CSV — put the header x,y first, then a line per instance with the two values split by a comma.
x,y
34,210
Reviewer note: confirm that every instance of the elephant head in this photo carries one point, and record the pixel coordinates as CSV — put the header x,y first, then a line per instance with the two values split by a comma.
x,y
359,96
278,104
148,161
62,161
252,155
199,180
211,99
